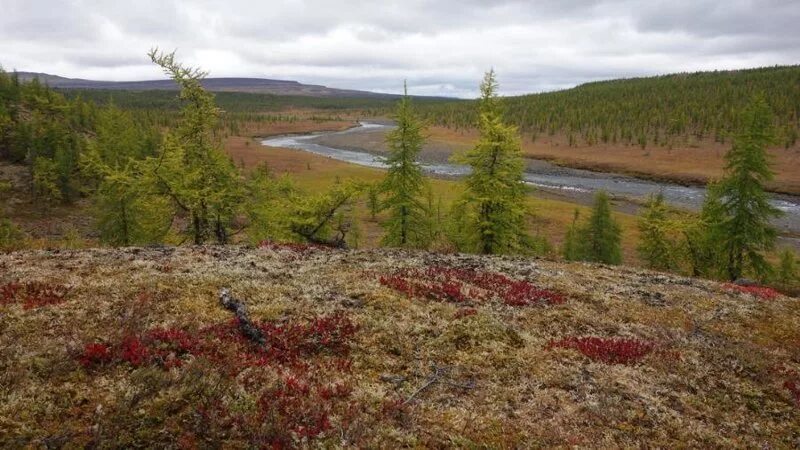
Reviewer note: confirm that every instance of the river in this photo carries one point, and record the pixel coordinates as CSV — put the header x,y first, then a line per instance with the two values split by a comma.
x,y
554,179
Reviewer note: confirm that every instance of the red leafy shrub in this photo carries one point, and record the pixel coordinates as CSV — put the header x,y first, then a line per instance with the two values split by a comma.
x,y
32,294
793,386
761,292
8,292
95,354
464,285
296,373
295,405
134,351
607,350
791,381
167,346
285,343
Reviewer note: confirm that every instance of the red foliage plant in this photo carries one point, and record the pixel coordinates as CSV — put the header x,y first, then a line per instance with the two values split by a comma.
x,y
761,292
294,372
32,294
607,350
95,354
465,285
791,381
793,386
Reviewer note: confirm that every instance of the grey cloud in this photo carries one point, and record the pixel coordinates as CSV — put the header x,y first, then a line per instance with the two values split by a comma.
x,y
441,47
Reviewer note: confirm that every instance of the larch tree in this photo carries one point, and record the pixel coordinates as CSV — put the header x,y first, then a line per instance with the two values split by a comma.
x,y
787,275
703,236
571,248
600,238
655,247
408,221
745,229
192,169
494,202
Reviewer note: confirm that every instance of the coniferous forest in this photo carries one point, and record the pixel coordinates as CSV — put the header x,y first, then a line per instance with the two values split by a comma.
x,y
656,111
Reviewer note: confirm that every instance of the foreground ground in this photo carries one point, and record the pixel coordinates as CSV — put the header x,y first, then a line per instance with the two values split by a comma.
x,y
132,347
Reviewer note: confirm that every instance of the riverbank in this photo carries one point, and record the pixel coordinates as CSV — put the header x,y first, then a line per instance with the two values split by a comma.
x,y
366,145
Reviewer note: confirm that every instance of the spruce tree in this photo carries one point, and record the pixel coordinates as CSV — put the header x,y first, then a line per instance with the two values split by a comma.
x,y
407,224
655,247
746,228
600,238
494,201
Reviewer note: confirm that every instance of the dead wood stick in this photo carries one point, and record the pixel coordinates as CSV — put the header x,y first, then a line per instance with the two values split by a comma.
x,y
246,327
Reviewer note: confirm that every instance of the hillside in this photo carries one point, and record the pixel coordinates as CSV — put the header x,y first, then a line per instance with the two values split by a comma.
x,y
250,85
133,347
669,110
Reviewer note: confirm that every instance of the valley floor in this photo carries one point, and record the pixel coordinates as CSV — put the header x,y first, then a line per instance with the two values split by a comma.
x,y
378,348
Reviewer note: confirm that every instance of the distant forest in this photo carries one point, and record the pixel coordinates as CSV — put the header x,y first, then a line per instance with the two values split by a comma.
x,y
660,111
663,110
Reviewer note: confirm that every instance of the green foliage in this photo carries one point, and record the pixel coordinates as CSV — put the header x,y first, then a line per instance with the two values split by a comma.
x,y
192,170
599,239
326,218
408,224
656,246
119,138
374,201
45,178
667,110
746,228
269,204
42,129
702,237
787,275
126,213
492,210
10,235
571,249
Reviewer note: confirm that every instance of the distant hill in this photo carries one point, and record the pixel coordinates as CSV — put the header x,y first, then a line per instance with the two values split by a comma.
x,y
248,85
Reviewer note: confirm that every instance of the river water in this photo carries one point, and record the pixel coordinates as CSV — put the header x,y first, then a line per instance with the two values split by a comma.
x,y
561,180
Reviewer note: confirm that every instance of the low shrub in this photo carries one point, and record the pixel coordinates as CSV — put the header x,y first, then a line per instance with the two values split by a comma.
x,y
465,285
293,378
760,292
32,294
606,350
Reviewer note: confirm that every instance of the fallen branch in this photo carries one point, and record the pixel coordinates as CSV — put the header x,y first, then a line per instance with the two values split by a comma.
x,y
246,327
440,374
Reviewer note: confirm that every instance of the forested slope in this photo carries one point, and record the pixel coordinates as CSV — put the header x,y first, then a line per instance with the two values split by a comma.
x,y
663,110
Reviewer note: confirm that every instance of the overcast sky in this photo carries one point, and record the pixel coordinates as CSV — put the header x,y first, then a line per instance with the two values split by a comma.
x,y
441,46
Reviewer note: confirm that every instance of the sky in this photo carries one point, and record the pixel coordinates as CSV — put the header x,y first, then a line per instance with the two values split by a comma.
x,y
441,47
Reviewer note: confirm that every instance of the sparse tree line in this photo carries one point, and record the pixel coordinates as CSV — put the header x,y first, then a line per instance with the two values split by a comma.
x,y
179,187
665,111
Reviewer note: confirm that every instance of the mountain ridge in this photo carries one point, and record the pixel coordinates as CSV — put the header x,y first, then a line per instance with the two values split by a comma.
x,y
221,84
